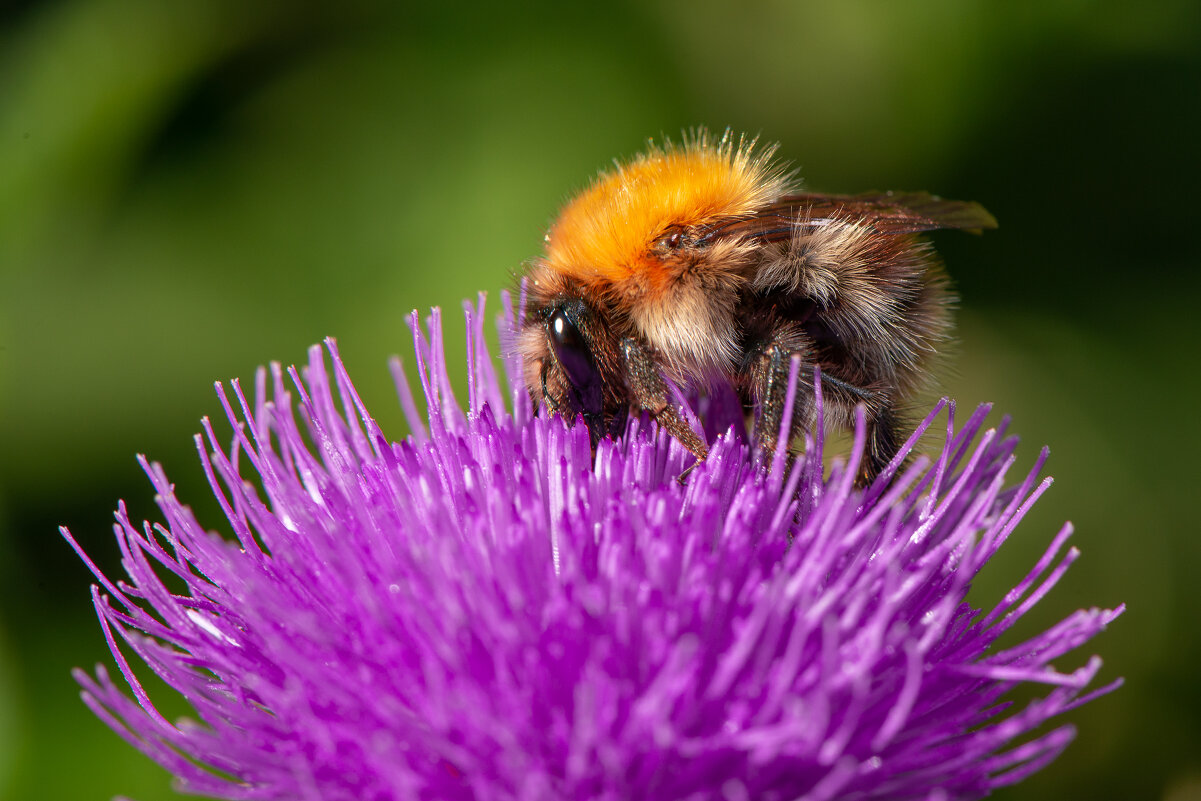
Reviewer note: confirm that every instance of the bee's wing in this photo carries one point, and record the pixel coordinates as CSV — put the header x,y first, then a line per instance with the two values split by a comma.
x,y
890,212
885,212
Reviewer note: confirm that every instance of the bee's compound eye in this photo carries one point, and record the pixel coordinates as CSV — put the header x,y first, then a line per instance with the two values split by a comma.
x,y
563,332
575,357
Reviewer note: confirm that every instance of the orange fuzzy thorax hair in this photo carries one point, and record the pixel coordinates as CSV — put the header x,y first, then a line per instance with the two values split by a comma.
x,y
607,232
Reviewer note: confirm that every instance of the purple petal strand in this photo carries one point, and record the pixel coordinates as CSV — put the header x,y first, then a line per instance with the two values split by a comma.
x,y
485,610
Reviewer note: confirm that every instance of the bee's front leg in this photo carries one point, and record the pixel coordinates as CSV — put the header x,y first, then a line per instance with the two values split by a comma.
x,y
546,397
649,392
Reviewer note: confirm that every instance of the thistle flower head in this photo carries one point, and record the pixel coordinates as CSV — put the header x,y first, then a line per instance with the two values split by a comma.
x,y
485,610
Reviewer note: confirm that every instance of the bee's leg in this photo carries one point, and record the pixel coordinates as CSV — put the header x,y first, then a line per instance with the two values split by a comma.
x,y
650,393
883,442
546,396
769,375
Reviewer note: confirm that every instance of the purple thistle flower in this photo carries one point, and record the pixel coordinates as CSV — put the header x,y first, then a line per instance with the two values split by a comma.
x,y
484,611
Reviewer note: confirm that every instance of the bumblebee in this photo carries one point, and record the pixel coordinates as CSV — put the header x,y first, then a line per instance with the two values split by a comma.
x,y
703,262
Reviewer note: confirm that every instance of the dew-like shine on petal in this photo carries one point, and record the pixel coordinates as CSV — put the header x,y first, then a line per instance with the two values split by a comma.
x,y
485,610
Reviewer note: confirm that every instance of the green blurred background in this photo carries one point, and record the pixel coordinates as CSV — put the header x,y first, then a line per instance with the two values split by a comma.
x,y
190,188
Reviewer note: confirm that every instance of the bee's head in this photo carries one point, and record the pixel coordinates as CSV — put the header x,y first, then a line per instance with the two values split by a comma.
x,y
572,365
